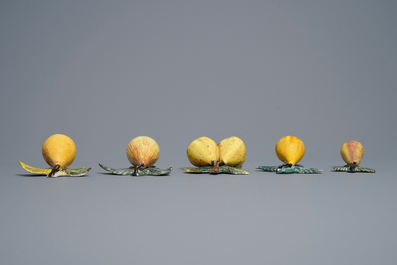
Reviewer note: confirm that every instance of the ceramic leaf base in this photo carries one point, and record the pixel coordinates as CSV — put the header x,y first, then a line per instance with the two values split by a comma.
x,y
71,172
286,169
150,171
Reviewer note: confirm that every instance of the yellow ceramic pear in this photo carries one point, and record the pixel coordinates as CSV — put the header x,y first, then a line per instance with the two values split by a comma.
x,y
232,151
202,152
290,150
59,151
226,157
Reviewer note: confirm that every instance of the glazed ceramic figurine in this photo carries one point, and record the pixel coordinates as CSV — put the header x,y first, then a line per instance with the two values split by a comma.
x,y
226,157
142,152
59,152
351,153
290,150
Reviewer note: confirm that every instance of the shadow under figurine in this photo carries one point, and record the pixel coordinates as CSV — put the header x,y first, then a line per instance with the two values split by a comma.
x,y
226,157
352,152
290,150
59,151
142,152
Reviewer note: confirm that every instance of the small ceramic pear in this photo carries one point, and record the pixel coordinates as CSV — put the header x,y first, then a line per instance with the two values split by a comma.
x,y
290,150
59,152
142,152
352,153
226,157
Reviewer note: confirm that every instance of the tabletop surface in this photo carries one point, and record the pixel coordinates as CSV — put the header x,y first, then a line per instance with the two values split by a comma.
x,y
183,218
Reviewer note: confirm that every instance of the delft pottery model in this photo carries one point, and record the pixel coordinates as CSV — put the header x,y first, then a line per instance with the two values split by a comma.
x,y
290,150
226,157
351,153
59,152
142,152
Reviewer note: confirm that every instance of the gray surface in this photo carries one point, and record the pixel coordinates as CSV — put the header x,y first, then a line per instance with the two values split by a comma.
x,y
106,72
261,218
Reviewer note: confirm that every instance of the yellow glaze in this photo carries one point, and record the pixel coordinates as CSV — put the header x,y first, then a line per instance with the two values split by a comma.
x,y
44,171
60,150
143,150
232,151
202,152
39,171
290,149
352,152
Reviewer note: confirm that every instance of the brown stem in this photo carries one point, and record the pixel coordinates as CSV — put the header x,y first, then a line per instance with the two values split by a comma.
x,y
136,169
215,168
353,167
54,170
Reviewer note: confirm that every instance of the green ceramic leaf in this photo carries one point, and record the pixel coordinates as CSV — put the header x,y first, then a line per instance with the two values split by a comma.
x,y
72,172
125,171
205,169
150,171
268,168
352,169
222,169
286,169
232,170
154,171
76,172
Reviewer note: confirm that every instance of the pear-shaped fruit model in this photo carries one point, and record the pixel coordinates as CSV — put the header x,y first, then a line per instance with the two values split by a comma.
x,y
352,152
290,149
143,151
208,157
59,150
202,152
232,151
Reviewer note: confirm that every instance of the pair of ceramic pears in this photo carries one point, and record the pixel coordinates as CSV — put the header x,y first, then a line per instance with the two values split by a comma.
x,y
228,156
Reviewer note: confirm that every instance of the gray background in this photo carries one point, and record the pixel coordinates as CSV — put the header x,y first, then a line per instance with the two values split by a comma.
x,y
104,72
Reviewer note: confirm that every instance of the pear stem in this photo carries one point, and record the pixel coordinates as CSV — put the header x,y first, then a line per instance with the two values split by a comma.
x,y
352,167
215,168
54,170
135,173
283,165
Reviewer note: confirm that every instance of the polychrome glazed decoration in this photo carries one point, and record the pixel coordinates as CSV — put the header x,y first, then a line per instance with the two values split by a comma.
x,y
290,150
226,157
142,152
352,152
59,152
